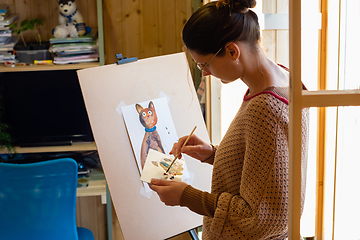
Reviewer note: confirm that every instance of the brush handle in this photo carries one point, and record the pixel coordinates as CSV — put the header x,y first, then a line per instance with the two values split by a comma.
x,y
184,144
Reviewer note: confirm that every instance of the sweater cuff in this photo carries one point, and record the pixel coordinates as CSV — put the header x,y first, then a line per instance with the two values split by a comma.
x,y
210,159
202,203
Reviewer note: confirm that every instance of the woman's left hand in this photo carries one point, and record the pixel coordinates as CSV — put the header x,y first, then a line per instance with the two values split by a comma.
x,y
169,191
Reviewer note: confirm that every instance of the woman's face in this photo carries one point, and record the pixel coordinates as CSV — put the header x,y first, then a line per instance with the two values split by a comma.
x,y
222,67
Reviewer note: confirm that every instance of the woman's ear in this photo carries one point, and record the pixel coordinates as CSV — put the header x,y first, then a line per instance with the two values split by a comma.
x,y
233,50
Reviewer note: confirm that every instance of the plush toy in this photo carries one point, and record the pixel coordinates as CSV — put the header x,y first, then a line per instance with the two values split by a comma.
x,y
65,30
70,14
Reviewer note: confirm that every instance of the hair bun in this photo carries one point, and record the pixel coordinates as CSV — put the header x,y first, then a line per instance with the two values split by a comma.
x,y
242,5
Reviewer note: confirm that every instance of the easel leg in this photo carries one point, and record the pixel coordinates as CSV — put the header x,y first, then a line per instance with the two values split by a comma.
x,y
109,214
193,234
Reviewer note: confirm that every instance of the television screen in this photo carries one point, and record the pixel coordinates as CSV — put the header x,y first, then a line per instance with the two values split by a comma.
x,y
44,108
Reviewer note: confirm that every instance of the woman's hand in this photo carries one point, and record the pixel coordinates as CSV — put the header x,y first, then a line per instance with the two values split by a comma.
x,y
195,148
169,191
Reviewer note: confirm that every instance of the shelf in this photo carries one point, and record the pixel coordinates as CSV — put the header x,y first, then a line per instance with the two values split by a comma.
x,y
331,98
96,185
49,67
81,146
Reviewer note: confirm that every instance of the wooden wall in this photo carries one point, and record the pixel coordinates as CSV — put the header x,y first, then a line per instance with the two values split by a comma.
x,y
144,28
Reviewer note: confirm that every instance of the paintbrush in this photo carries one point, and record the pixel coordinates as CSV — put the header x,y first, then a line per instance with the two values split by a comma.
x,y
177,155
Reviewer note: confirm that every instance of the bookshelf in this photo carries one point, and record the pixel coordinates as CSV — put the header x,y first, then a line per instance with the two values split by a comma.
x,y
17,7
49,67
81,146
91,10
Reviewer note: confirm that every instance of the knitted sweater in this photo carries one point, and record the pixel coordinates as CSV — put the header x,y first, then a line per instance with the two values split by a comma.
x,y
249,193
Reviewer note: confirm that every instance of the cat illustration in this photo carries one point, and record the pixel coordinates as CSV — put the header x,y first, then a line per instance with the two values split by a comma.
x,y
148,119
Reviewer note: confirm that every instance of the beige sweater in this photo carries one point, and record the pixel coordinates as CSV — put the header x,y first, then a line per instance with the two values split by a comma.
x,y
249,193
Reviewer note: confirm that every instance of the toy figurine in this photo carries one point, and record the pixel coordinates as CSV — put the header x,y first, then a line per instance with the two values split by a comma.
x,y
70,14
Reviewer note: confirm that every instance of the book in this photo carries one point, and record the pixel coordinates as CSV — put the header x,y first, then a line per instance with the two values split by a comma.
x,y
72,46
75,52
9,44
5,33
4,28
7,56
78,57
3,15
8,61
8,20
77,61
4,40
7,41
3,8
90,37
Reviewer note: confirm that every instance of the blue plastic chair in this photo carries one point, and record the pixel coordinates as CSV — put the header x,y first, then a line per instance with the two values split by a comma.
x,y
38,201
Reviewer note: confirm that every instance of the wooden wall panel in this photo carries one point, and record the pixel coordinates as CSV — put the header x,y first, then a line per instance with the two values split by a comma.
x,y
130,30
149,28
167,32
183,12
144,28
113,37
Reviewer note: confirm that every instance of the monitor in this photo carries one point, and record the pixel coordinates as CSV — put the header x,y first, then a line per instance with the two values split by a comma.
x,y
44,108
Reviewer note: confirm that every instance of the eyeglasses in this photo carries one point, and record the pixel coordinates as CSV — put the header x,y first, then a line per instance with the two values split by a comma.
x,y
201,66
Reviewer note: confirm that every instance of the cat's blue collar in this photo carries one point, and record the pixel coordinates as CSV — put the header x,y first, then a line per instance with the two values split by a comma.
x,y
150,129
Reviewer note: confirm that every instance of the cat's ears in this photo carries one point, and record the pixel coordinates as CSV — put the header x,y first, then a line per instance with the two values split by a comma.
x,y
138,108
151,105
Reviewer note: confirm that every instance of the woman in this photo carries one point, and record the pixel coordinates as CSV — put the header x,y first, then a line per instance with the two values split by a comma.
x,y
249,193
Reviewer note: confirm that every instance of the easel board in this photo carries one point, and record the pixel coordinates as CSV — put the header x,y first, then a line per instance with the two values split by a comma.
x,y
104,88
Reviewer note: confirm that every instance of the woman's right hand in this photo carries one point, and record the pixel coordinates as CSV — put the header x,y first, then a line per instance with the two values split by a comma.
x,y
195,148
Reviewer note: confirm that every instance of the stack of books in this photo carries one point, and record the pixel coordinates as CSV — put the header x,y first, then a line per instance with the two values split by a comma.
x,y
7,40
4,10
75,50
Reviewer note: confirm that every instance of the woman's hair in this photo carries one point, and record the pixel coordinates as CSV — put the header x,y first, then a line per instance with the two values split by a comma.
x,y
213,25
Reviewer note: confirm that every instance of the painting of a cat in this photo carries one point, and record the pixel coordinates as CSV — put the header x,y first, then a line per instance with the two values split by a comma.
x,y
151,140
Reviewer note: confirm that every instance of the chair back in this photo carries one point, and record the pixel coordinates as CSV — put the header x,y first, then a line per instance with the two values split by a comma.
x,y
38,200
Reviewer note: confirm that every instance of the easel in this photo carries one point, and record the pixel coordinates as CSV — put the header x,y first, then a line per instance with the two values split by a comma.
x,y
124,60
104,88
193,234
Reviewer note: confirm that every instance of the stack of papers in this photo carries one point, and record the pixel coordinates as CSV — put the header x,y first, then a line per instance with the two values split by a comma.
x,y
75,50
8,19
6,57
7,40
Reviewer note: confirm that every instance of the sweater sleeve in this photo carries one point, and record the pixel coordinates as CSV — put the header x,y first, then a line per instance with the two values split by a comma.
x,y
202,203
210,160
